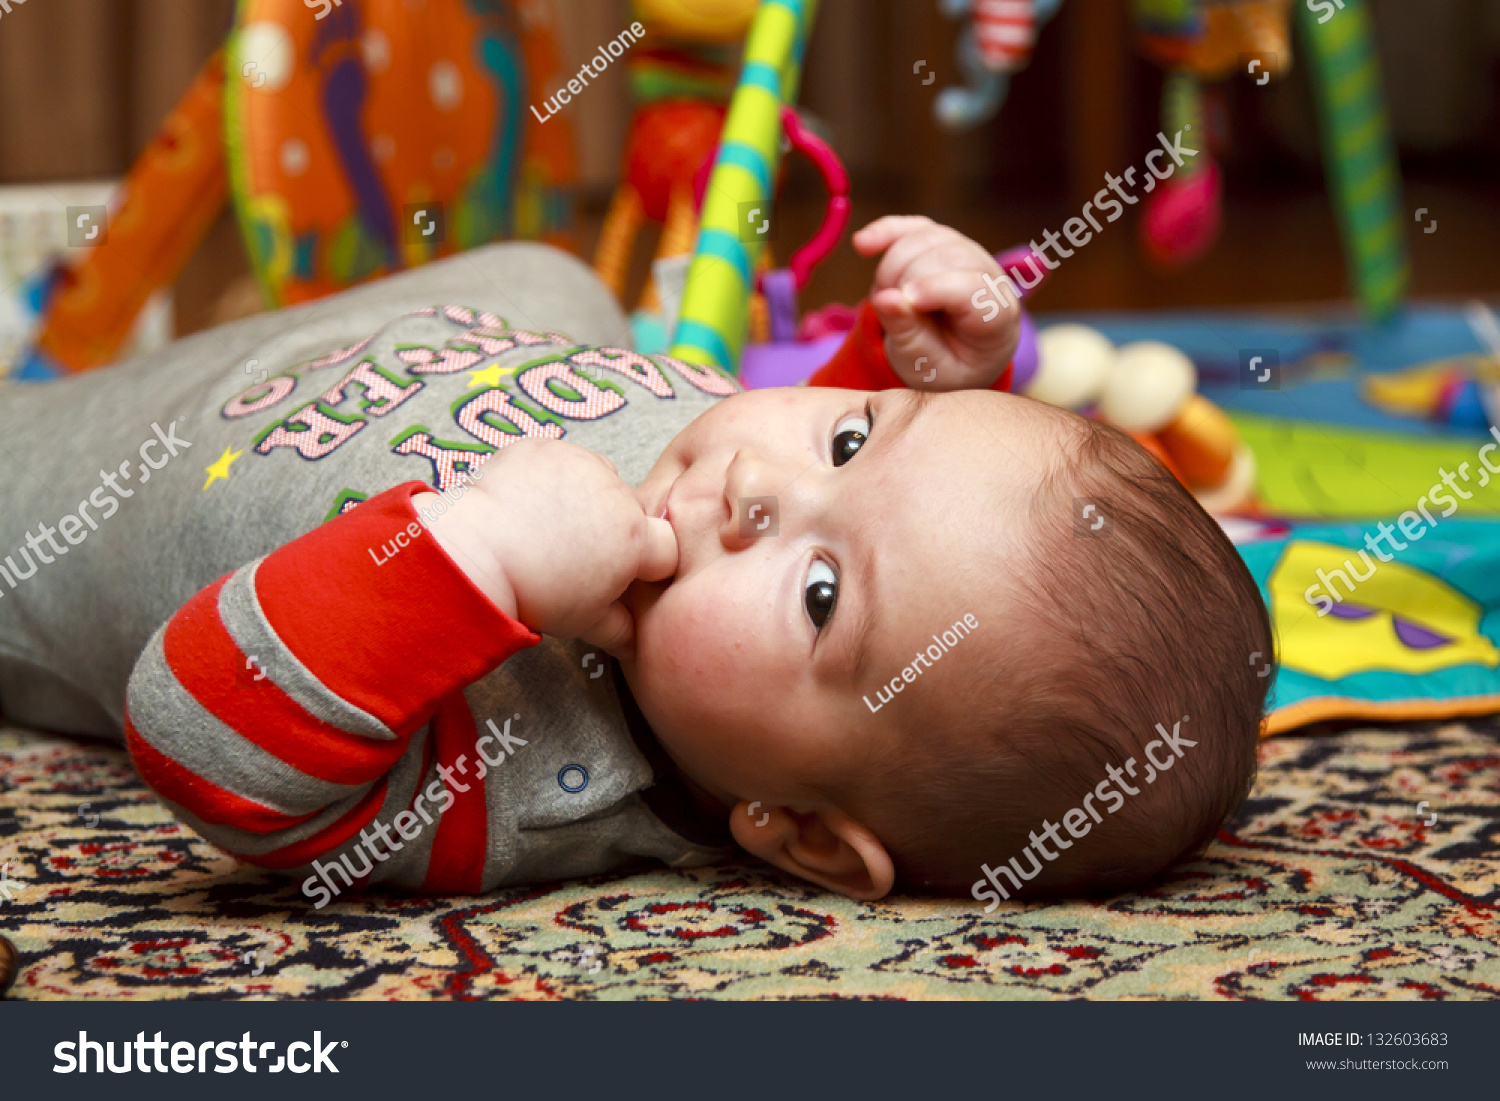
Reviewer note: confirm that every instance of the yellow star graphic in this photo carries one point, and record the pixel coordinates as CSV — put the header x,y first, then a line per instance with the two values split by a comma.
x,y
490,376
220,469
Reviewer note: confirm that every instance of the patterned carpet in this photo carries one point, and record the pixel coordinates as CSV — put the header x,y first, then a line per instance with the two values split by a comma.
x,y
1330,885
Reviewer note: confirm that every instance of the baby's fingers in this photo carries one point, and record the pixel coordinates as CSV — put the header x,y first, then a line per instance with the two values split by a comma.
x,y
882,232
905,328
953,293
659,554
614,632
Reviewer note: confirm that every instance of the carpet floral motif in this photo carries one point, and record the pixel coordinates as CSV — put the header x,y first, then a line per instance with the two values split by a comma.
x,y
1332,883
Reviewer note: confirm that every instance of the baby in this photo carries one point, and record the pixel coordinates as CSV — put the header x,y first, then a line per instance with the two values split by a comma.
x,y
856,629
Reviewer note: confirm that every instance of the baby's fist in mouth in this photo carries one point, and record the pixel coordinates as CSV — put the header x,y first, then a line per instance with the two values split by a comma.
x,y
553,535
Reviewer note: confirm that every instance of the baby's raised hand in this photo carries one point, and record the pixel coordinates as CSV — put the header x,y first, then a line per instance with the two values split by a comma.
x,y
935,337
554,536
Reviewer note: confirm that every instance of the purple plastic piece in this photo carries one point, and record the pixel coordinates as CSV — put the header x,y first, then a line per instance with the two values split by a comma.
x,y
780,289
1023,366
1025,363
785,363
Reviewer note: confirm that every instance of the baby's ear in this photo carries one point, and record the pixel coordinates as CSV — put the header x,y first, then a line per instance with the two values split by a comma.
x,y
824,846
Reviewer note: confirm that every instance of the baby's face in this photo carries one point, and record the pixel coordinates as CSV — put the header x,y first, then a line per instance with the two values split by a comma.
x,y
894,515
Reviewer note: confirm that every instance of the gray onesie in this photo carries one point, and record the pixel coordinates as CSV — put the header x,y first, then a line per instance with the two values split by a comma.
x,y
127,491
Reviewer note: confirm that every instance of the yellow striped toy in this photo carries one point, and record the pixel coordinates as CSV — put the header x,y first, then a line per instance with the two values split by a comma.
x,y
715,304
1360,155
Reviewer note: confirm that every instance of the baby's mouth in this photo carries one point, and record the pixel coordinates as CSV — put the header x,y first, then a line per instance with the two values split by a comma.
x,y
694,505
640,595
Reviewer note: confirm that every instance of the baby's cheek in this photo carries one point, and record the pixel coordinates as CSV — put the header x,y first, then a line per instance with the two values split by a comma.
x,y
709,675
698,640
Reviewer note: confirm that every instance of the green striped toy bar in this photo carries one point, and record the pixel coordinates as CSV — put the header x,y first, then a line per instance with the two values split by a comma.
x,y
714,317
1359,155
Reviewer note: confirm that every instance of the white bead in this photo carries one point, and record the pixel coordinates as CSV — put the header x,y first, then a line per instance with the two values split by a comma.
x,y
1147,387
1072,363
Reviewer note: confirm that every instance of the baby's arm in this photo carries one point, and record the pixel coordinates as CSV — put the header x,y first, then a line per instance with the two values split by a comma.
x,y
279,711
276,709
920,327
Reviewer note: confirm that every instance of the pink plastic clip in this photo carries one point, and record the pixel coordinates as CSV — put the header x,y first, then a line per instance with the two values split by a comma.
x,y
835,179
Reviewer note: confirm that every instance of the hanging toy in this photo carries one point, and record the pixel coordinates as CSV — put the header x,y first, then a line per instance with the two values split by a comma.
x,y
1359,155
715,310
681,79
1198,42
996,43
1203,41
1182,220
326,134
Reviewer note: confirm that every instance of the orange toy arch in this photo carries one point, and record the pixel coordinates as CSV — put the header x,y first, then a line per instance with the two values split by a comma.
x,y
377,136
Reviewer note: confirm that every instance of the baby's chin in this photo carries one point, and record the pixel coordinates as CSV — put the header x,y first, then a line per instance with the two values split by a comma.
x,y
643,677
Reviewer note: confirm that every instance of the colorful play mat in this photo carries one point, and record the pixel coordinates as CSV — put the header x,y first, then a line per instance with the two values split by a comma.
x,y
1378,544
1320,356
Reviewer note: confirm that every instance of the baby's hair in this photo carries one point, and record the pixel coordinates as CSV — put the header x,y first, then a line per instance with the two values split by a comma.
x,y
1154,620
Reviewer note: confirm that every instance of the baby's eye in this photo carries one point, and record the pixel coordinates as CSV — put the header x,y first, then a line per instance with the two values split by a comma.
x,y
848,437
821,594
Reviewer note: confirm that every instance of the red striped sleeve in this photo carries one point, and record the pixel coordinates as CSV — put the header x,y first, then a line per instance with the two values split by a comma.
x,y
392,639
199,651
458,850
203,799
397,636
328,839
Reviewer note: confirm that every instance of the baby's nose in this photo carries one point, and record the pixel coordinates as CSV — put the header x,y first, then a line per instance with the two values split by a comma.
x,y
751,490
750,474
